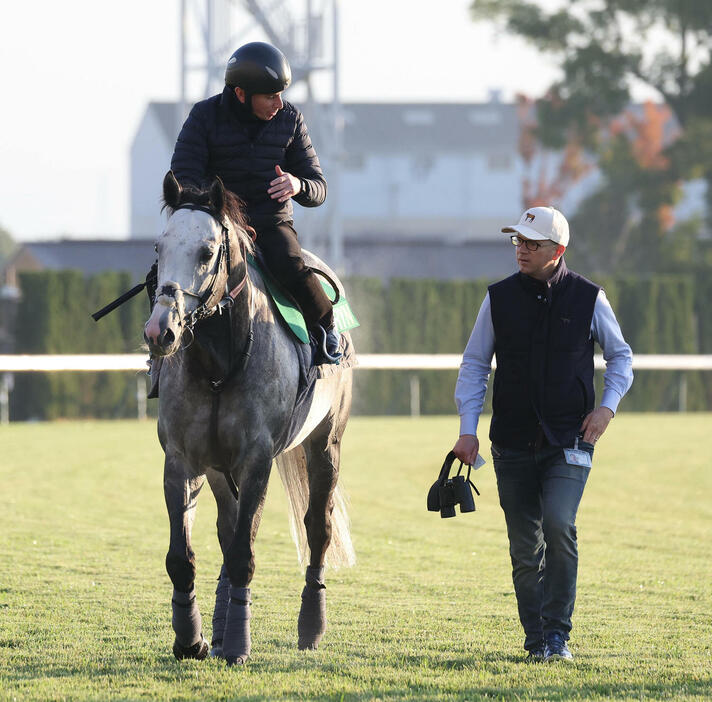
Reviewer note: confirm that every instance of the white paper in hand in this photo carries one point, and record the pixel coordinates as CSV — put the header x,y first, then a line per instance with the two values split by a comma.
x,y
479,462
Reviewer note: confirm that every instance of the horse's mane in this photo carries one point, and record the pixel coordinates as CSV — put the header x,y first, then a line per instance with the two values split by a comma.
x,y
233,209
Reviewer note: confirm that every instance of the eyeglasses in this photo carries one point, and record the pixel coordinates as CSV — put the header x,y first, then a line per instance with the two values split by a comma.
x,y
531,245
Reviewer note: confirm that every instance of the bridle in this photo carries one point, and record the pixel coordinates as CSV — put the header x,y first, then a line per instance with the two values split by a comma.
x,y
211,300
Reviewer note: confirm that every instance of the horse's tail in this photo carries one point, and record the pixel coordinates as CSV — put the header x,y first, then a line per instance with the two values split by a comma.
x,y
292,466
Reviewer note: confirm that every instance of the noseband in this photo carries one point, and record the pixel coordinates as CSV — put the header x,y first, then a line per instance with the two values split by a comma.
x,y
207,306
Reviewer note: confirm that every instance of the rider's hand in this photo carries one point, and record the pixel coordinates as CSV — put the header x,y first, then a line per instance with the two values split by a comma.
x,y
284,186
467,448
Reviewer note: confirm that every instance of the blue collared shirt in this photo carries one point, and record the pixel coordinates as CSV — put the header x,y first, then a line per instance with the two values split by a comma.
x,y
477,362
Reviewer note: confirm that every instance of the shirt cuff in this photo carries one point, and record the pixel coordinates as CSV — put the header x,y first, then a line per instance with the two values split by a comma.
x,y
610,399
468,424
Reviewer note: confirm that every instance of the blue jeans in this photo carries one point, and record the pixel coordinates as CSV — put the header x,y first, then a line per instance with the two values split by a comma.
x,y
540,494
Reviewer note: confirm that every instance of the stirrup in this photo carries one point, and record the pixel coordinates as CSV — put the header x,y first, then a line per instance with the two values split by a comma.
x,y
322,346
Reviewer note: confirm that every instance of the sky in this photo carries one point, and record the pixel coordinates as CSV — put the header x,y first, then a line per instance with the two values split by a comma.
x,y
76,76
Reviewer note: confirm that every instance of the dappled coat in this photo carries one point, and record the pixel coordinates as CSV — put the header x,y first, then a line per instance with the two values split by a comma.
x,y
217,140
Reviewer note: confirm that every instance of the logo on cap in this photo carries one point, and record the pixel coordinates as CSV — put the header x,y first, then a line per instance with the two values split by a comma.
x,y
530,217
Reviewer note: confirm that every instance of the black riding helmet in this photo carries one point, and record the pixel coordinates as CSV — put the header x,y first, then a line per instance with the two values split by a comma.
x,y
258,68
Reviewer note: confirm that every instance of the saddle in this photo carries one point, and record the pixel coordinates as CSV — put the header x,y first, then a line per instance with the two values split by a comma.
x,y
288,309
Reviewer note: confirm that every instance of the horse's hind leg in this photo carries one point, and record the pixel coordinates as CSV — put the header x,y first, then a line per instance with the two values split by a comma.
x,y
181,493
227,520
323,453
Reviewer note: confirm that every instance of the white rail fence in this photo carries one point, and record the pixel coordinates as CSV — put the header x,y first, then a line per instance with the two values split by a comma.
x,y
10,364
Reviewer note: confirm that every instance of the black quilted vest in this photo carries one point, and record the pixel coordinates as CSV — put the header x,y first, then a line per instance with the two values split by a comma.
x,y
216,140
544,351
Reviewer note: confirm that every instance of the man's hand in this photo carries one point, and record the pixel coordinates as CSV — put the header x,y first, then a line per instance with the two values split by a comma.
x,y
467,448
284,186
595,424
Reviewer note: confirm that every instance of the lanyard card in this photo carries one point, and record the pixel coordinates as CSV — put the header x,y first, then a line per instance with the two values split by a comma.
x,y
576,457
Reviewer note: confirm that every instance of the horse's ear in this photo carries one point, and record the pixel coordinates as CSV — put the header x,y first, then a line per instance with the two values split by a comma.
x,y
217,194
172,190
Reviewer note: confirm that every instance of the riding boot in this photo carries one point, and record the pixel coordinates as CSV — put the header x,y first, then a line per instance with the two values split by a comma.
x,y
328,339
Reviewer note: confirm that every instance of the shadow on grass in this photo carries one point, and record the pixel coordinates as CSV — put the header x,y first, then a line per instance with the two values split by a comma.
x,y
193,680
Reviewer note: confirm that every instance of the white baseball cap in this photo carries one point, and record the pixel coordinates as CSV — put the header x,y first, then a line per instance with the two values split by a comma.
x,y
539,223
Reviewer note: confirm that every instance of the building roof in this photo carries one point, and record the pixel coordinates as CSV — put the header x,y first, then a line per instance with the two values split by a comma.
x,y
432,128
404,127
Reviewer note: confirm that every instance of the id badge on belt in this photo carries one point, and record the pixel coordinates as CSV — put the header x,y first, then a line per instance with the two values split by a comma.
x,y
577,457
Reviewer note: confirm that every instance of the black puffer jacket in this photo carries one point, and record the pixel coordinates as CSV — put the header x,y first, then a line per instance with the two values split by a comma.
x,y
217,140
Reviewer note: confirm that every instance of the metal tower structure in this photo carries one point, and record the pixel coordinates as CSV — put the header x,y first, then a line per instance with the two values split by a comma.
x,y
307,31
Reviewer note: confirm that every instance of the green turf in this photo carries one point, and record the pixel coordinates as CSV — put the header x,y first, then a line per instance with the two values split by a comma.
x,y
427,613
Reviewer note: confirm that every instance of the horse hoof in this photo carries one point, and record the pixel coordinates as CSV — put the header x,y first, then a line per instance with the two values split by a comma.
x,y
199,650
308,645
236,660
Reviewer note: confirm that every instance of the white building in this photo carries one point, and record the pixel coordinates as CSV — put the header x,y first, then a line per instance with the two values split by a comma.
x,y
440,174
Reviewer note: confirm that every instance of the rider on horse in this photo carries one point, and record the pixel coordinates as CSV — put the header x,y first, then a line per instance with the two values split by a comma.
x,y
259,146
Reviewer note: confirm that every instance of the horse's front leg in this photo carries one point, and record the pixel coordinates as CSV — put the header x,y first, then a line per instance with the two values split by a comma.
x,y
239,555
323,454
181,492
226,525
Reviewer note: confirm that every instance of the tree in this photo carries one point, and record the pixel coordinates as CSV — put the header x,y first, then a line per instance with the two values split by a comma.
x,y
547,176
7,246
603,47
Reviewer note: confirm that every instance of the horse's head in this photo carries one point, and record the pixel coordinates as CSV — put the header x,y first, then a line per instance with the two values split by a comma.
x,y
200,252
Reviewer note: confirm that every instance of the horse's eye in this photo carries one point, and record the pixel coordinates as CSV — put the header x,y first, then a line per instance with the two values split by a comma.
x,y
155,248
206,255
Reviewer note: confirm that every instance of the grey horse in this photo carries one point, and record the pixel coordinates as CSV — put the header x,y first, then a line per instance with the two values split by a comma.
x,y
228,386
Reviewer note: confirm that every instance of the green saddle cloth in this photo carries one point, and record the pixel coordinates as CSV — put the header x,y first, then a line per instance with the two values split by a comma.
x,y
344,317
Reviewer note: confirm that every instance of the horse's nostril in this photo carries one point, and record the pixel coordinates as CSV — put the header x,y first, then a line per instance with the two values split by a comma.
x,y
168,337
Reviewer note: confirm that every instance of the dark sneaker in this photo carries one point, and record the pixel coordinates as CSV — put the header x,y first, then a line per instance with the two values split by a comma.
x,y
538,653
557,650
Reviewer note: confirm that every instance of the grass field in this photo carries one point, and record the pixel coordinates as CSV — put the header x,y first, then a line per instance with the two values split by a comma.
x,y
427,613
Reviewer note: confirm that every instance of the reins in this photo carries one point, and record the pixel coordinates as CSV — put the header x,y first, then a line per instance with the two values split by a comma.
x,y
205,310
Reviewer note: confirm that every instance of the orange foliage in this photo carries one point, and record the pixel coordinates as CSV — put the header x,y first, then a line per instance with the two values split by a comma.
x,y
545,189
666,217
647,134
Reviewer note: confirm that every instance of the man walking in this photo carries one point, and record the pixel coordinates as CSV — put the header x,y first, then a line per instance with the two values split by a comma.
x,y
541,323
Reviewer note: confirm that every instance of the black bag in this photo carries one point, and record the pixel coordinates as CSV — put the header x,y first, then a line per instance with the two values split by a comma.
x,y
446,492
